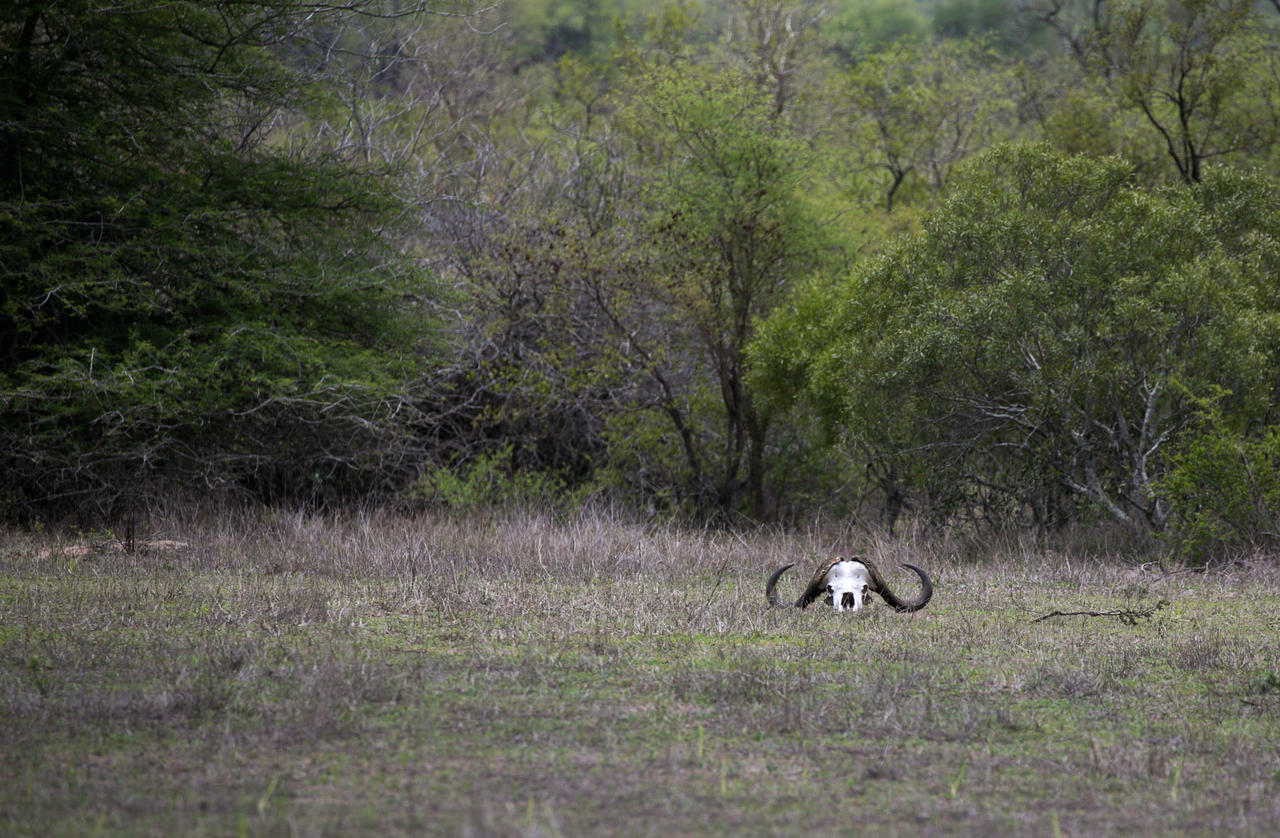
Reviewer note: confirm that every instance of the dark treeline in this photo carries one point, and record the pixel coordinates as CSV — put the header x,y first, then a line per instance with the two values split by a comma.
x,y
1006,263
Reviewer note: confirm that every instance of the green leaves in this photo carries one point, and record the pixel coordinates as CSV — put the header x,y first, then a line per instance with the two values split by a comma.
x,y
1200,72
1049,323
927,106
734,234
187,297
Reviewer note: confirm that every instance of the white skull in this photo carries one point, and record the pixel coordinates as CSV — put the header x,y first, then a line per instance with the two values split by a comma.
x,y
847,582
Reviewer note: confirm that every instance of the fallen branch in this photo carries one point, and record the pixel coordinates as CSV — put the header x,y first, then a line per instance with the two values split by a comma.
x,y
1128,616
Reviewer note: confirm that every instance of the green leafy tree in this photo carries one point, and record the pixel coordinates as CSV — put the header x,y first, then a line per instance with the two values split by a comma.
x,y
1046,339
733,235
773,42
193,291
617,296
919,109
1202,74
996,21
859,25
550,29
1226,483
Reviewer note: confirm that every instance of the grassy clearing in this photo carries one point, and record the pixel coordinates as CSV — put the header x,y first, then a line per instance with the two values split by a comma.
x,y
294,675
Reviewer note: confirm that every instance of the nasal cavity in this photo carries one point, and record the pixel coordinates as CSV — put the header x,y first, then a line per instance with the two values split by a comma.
x,y
846,600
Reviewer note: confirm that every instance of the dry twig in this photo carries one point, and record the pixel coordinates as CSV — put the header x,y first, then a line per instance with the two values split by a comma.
x,y
1128,616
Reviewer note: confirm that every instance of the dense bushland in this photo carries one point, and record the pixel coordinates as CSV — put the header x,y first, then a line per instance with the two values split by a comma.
x,y
1048,340
988,264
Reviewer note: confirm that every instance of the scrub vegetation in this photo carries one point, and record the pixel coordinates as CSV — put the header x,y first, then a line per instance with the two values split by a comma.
x,y
972,264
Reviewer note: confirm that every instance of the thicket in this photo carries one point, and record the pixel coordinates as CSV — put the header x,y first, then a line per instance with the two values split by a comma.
x,y
989,263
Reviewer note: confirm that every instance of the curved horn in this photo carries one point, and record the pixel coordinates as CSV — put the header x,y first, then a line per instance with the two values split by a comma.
x,y
926,590
817,583
769,593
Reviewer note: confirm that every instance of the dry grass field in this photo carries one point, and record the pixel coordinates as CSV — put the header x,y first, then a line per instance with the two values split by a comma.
x,y
382,674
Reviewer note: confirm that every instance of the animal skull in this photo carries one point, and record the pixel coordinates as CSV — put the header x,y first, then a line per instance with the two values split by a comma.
x,y
844,583
847,584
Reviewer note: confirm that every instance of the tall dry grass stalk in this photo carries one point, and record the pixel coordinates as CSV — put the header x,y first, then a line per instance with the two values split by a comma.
x,y
435,554
591,543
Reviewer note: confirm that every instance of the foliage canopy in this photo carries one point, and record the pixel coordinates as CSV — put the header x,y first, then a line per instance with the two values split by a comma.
x,y
1017,258
1047,338
189,292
